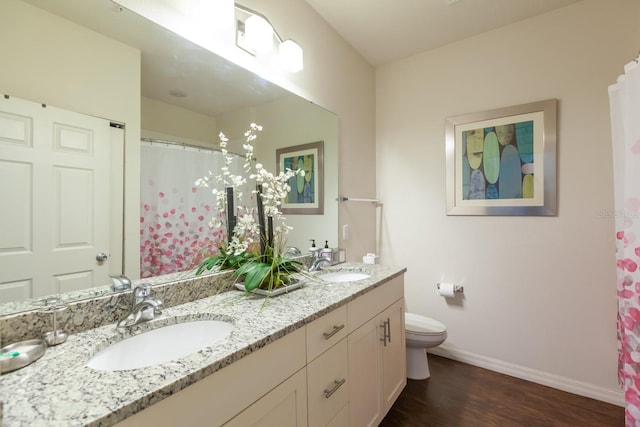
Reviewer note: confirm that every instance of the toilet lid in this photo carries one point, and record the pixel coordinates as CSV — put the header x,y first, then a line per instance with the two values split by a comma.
x,y
418,324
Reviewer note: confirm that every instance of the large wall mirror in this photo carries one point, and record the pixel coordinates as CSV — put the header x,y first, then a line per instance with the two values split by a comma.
x,y
188,96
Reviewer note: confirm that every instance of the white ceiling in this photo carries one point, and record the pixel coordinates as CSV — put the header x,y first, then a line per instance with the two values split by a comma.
x,y
387,30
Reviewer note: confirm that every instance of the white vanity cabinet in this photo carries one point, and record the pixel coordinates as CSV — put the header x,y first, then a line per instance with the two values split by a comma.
x,y
345,368
376,346
269,384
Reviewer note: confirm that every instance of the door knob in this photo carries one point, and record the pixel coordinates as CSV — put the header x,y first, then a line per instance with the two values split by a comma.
x,y
101,256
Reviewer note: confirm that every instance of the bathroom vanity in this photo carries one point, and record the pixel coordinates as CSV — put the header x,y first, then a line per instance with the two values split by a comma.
x,y
328,354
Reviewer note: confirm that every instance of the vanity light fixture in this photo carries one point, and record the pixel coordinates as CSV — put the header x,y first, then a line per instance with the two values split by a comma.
x,y
256,34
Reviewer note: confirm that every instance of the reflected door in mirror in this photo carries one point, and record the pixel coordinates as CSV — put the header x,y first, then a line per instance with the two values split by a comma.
x,y
54,184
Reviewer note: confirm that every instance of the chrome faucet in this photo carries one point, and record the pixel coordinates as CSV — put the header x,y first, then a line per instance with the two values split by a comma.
x,y
292,252
319,262
145,307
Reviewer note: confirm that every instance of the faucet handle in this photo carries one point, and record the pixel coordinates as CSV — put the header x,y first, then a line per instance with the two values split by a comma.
x,y
120,282
141,292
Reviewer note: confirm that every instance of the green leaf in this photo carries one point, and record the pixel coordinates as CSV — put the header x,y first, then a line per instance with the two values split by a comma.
x,y
210,263
254,274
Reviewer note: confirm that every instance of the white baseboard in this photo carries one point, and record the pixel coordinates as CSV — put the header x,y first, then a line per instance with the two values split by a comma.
x,y
615,397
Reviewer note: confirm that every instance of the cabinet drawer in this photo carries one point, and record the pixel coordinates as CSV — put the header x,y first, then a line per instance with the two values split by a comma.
x,y
328,385
370,304
324,332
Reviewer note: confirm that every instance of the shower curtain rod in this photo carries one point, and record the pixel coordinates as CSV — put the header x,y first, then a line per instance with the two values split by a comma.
x,y
179,144
186,145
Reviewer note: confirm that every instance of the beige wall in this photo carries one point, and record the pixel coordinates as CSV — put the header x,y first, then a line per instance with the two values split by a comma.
x,y
53,61
540,292
165,121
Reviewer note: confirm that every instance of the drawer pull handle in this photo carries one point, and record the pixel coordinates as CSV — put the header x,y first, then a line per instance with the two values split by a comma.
x,y
336,385
335,330
389,329
386,331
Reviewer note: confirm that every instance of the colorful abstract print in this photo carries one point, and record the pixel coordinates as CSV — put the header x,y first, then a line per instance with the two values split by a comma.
x,y
497,162
302,187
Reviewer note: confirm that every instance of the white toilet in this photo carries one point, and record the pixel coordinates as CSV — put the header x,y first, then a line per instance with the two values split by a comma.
x,y
421,333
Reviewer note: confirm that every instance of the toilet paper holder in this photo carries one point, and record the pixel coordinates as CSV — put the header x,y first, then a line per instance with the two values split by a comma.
x,y
456,288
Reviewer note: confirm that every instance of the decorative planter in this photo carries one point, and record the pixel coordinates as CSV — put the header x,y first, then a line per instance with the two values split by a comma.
x,y
275,292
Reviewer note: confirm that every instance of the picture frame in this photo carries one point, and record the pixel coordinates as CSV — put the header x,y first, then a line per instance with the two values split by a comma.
x,y
307,192
503,161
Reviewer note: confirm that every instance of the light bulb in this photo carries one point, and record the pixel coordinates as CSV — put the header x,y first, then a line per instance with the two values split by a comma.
x,y
291,56
258,34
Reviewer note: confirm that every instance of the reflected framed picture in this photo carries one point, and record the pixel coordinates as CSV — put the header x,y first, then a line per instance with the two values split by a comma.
x,y
307,192
503,161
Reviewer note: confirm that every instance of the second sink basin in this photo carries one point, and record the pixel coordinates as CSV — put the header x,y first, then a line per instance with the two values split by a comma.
x,y
160,345
344,276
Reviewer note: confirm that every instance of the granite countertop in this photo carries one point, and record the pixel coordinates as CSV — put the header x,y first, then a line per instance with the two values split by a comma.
x,y
59,390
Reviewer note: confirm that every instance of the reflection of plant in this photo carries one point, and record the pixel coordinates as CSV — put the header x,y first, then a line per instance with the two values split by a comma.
x,y
253,248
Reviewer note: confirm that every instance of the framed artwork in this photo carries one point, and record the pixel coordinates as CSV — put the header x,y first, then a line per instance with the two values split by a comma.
x,y
503,162
307,192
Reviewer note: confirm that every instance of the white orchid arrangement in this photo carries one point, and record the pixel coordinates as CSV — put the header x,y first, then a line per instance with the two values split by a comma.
x,y
264,225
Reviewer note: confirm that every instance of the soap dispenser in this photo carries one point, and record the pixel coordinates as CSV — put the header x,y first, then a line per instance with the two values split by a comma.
x,y
327,251
313,249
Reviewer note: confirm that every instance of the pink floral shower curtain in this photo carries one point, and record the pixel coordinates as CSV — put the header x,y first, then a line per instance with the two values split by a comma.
x,y
174,214
624,97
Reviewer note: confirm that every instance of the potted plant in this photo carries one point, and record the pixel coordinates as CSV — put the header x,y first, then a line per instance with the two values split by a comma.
x,y
255,236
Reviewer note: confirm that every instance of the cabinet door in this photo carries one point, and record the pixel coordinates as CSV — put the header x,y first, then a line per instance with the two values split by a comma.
x,y
284,406
365,388
342,419
394,368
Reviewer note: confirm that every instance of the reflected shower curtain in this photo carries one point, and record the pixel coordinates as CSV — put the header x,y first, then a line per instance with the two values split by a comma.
x,y
175,214
624,98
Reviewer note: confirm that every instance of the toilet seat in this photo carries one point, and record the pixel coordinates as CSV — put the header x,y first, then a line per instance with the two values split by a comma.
x,y
416,324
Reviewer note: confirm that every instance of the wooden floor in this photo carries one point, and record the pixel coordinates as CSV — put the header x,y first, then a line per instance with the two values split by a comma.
x,y
458,394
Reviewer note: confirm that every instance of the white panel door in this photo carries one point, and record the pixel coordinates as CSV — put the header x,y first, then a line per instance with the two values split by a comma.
x,y
55,192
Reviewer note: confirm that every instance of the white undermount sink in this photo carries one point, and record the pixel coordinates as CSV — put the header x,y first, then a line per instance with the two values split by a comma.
x,y
160,345
344,276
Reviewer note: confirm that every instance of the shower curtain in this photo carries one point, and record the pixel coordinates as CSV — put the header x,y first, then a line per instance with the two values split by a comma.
x,y
174,213
624,99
